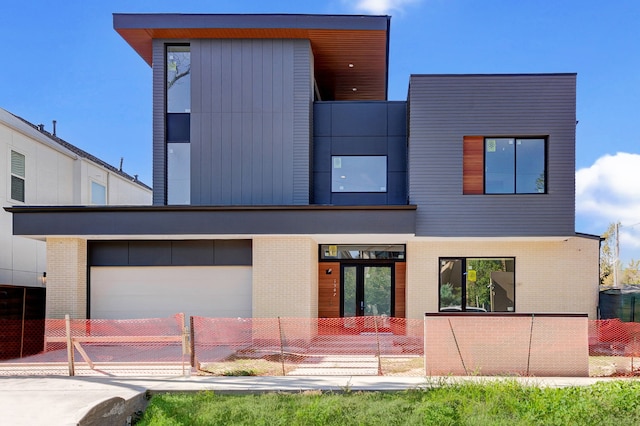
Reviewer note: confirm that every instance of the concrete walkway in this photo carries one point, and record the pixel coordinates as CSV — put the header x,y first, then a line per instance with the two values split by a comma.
x,y
60,400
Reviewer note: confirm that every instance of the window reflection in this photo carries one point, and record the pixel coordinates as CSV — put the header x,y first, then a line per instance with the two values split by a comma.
x,y
359,173
178,79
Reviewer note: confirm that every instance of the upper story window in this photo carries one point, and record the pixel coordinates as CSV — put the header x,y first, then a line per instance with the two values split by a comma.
x,y
514,165
354,173
17,176
502,165
98,194
178,79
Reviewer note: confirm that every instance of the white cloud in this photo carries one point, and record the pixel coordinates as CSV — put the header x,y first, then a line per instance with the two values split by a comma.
x,y
379,7
609,191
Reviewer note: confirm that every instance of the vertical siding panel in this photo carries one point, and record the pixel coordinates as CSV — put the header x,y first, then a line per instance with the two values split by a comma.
x,y
236,159
302,108
216,160
246,163
251,125
198,87
288,142
159,147
225,159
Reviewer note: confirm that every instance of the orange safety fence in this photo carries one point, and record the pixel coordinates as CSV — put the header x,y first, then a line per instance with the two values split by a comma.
x,y
270,346
97,343
612,337
308,346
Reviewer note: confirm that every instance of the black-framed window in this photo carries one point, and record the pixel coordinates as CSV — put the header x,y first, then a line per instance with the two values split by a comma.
x,y
18,176
177,123
359,173
477,284
515,165
367,252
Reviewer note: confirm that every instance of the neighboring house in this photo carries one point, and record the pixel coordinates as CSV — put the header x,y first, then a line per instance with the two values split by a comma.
x,y
286,184
38,168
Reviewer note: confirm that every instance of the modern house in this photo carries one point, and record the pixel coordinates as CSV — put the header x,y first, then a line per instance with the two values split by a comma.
x,y
39,168
285,183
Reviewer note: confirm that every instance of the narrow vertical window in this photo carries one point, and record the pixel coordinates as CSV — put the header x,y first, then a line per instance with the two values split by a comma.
x,y
178,124
178,79
17,176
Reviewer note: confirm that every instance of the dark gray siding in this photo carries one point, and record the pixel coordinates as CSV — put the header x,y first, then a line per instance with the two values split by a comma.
x,y
445,108
250,114
360,128
159,147
170,253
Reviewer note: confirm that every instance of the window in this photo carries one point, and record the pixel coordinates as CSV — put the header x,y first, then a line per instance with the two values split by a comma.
x,y
178,79
178,122
477,284
514,166
359,173
178,173
98,194
17,176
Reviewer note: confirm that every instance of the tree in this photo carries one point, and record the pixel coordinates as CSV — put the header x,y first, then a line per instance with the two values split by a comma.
x,y
629,274
608,256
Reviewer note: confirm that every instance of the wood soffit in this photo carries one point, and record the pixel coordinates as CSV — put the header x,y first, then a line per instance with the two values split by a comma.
x,y
333,50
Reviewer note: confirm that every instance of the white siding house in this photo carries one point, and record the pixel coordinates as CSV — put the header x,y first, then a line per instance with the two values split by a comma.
x,y
38,168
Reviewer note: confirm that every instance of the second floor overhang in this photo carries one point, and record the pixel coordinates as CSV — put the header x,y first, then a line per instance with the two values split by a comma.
x,y
350,52
40,222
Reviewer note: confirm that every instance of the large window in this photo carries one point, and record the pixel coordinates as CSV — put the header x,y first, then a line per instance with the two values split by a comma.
x,y
477,284
354,173
514,165
17,176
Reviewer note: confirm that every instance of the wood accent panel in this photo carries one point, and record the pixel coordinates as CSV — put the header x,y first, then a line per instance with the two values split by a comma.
x,y
400,291
473,165
329,290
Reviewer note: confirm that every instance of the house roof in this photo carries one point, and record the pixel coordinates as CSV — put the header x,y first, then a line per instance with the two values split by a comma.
x,y
39,132
350,51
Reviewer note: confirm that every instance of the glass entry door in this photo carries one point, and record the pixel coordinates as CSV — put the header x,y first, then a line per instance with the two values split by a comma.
x,y
367,290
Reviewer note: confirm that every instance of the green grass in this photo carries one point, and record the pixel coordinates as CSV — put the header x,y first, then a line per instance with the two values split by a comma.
x,y
491,403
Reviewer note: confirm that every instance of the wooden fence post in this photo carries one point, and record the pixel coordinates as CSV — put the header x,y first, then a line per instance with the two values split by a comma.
x,y
67,325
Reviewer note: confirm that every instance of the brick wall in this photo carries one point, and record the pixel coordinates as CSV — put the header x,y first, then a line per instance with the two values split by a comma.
x,y
285,277
66,277
550,276
499,344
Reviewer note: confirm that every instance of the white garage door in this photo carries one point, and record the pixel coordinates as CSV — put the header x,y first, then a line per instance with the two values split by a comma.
x,y
162,291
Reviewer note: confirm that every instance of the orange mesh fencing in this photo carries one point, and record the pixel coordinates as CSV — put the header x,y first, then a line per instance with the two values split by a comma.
x,y
308,346
612,337
98,343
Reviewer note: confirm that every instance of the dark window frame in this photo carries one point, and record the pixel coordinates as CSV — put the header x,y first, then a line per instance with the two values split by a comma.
x,y
515,165
463,296
14,176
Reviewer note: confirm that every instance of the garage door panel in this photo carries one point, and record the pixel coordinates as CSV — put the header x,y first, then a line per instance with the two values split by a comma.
x,y
151,292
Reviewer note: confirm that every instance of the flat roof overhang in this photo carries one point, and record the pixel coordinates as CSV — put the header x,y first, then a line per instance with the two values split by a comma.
x,y
42,221
350,51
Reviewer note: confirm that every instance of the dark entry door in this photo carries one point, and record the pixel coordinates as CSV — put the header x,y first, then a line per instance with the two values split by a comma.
x,y
367,290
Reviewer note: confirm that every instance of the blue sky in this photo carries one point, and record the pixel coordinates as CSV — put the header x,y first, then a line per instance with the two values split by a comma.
x,y
66,63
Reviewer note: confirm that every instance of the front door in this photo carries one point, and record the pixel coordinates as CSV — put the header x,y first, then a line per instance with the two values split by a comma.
x,y
367,290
